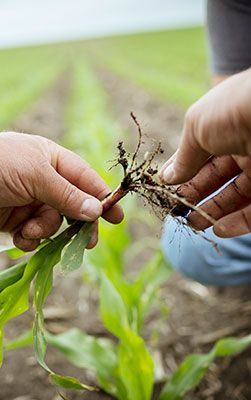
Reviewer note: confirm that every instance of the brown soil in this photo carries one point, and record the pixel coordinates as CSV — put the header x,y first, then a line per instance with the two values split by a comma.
x,y
198,315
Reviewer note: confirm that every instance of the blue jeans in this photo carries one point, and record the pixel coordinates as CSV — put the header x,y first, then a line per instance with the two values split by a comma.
x,y
197,259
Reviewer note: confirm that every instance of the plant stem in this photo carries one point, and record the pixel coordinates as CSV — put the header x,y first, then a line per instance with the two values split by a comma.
x,y
113,198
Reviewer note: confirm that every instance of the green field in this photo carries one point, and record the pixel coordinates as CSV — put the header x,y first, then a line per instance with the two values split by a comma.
x,y
171,65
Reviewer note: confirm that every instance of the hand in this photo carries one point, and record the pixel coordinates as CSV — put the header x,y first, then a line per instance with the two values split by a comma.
x,y
39,181
219,124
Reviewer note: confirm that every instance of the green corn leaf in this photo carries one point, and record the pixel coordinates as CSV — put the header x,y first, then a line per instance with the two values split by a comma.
x,y
73,255
39,341
15,253
68,382
230,346
155,272
12,252
146,286
188,375
194,367
23,340
112,308
108,256
86,351
14,299
42,288
136,368
11,275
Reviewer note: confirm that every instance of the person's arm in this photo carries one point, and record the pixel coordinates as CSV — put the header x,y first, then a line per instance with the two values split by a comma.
x,y
40,181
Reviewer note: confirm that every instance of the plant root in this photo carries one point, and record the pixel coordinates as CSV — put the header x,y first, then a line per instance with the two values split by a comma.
x,y
141,177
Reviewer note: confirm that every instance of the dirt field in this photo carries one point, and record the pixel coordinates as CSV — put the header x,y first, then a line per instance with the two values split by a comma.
x,y
198,315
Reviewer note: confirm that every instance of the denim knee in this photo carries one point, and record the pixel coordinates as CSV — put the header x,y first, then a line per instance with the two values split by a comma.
x,y
197,259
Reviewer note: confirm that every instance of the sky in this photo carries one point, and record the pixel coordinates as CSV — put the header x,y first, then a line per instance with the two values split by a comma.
x,y
41,21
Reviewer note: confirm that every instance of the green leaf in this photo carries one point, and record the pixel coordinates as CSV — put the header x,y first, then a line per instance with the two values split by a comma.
x,y
136,368
86,351
112,308
23,340
108,256
68,382
15,253
73,255
146,286
187,376
14,299
42,288
11,275
39,340
231,346
194,367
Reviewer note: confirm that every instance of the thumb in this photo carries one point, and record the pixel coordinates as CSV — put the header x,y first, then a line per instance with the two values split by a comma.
x,y
183,165
60,194
187,160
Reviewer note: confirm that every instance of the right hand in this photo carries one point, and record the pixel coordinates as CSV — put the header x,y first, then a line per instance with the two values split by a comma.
x,y
219,124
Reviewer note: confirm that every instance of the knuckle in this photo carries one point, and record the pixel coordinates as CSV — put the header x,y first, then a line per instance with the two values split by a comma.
x,y
68,196
246,219
189,117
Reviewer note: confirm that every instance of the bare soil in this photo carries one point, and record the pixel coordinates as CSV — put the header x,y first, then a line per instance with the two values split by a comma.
x,y
198,315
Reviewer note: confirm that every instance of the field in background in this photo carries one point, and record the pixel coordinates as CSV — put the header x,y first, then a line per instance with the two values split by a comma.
x,y
171,65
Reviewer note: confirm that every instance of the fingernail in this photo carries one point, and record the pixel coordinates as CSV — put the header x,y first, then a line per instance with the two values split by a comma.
x,y
168,174
91,209
167,164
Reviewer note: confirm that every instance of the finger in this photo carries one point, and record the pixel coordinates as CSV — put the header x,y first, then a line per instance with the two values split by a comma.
x,y
44,223
18,216
235,196
188,160
235,224
94,238
165,166
75,170
25,244
207,132
217,172
57,192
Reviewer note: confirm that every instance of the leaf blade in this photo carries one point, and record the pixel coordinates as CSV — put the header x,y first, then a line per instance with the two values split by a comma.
x,y
72,257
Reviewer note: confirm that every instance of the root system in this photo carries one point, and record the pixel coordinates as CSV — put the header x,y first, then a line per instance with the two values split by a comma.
x,y
141,177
